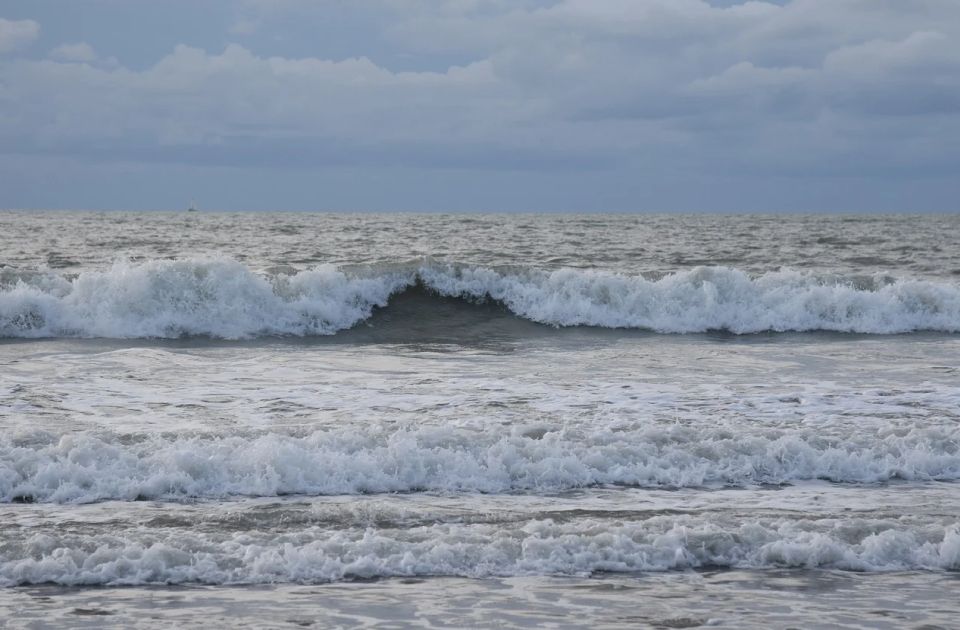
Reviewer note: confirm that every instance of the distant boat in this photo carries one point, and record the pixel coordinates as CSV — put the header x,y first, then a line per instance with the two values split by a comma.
x,y
193,206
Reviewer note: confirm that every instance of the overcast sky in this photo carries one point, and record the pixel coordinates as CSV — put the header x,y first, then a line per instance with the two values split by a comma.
x,y
487,105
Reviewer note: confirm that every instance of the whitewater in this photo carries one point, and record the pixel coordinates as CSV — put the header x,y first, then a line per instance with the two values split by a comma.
x,y
224,299
741,421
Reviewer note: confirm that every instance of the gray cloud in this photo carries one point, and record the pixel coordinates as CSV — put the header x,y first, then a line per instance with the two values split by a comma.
x,y
17,33
81,51
641,89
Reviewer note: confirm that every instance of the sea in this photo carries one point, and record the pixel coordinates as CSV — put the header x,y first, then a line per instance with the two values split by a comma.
x,y
281,420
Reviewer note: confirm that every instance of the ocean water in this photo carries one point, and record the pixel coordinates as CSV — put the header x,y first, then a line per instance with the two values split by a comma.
x,y
285,420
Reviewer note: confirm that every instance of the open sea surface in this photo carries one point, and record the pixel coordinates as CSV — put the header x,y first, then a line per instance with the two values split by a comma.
x,y
293,420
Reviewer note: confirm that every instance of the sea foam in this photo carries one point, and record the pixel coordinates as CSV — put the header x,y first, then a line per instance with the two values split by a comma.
x,y
211,297
84,467
222,298
535,547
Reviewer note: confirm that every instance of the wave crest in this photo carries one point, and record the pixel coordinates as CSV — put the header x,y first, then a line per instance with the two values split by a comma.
x,y
222,298
210,297
536,547
81,468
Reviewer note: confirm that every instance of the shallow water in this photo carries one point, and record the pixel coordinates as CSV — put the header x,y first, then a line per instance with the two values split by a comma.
x,y
479,420
724,599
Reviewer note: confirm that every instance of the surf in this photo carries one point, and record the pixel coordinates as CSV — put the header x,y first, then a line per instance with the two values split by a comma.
x,y
222,298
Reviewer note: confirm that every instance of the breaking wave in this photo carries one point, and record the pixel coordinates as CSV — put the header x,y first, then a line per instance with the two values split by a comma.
x,y
222,298
537,547
87,467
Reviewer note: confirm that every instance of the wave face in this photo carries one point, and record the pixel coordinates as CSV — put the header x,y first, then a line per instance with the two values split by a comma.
x,y
222,298
85,467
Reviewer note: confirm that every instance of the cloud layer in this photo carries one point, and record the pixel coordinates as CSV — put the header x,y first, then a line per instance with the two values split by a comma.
x,y
17,33
629,90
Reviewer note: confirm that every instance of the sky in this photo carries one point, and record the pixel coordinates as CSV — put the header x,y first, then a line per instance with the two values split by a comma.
x,y
481,105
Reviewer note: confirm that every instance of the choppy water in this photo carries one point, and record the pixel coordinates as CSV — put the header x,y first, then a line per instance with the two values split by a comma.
x,y
593,420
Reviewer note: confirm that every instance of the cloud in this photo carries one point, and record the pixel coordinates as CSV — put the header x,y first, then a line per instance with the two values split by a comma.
x,y
16,34
80,52
244,26
646,86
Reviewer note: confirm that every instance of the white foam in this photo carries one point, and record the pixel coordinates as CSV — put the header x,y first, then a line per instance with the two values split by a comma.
x,y
535,547
216,297
221,298
85,467
710,298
